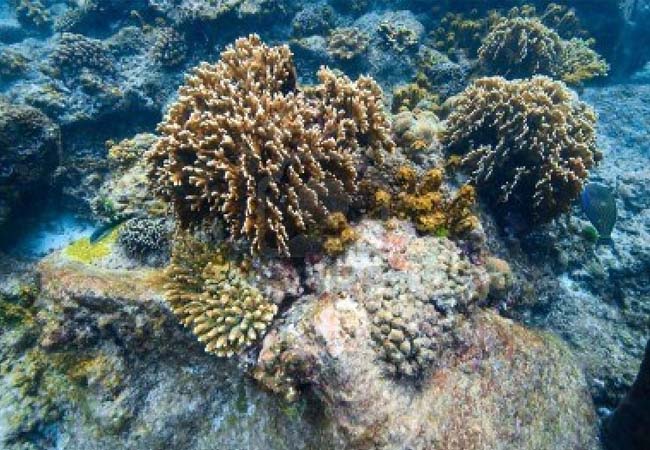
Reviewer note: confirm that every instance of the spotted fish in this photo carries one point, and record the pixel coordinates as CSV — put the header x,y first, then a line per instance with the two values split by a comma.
x,y
599,205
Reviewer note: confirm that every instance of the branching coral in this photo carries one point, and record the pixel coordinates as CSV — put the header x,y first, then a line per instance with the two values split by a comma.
x,y
409,96
528,144
521,47
581,63
244,144
13,64
347,43
211,297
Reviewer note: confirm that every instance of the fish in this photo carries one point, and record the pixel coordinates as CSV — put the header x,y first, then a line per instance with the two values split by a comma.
x,y
599,205
106,228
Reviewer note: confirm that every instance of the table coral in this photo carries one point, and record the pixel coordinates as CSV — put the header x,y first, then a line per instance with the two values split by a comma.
x,y
211,297
527,144
244,144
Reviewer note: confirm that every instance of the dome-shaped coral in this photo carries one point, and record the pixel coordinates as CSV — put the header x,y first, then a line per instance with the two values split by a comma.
x,y
528,144
244,144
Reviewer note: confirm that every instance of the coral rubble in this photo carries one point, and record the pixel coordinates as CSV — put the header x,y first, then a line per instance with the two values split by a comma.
x,y
528,145
244,144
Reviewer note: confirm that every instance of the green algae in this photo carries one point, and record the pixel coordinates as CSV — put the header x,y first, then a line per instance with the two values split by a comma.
x,y
82,250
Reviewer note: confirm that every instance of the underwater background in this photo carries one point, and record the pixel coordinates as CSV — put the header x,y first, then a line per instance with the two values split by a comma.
x,y
324,224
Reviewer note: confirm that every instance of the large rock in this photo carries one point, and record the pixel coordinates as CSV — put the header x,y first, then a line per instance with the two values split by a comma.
x,y
629,427
361,341
29,153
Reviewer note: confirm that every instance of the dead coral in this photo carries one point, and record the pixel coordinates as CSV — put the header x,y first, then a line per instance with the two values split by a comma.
x,y
244,144
211,297
527,144
347,43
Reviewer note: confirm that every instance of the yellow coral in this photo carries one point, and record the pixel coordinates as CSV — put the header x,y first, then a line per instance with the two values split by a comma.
x,y
212,298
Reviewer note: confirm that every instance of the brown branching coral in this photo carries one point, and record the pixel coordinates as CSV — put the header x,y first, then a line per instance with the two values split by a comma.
x,y
527,144
211,297
521,47
245,145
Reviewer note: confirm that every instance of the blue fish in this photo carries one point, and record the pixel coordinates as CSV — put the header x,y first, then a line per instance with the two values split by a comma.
x,y
599,205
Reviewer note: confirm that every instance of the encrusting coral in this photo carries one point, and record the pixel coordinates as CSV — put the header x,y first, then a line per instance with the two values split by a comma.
x,y
211,297
527,144
347,43
245,145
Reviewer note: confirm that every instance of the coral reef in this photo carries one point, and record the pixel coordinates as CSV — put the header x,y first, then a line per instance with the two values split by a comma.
x,y
32,13
169,49
13,64
30,144
144,238
267,158
213,299
527,144
521,47
417,130
413,95
338,234
75,52
581,63
477,368
400,36
347,43
313,19
124,154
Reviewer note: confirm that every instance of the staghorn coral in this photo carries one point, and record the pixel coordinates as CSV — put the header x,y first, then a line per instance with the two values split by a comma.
x,y
211,297
244,144
169,48
527,144
347,43
521,47
75,52
141,238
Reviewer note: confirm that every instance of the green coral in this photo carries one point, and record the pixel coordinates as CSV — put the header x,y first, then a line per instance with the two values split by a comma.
x,y
212,298
581,63
87,252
